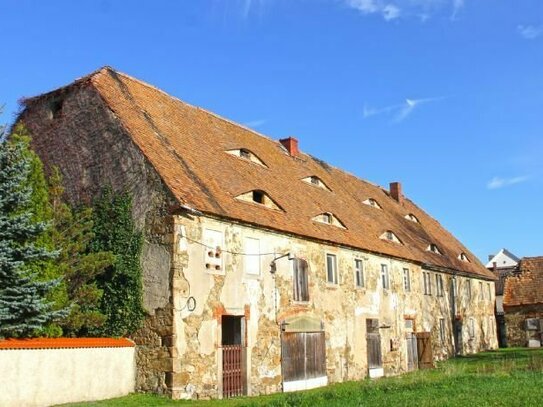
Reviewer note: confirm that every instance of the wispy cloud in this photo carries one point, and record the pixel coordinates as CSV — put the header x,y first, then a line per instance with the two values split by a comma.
x,y
498,182
400,111
530,32
255,123
394,9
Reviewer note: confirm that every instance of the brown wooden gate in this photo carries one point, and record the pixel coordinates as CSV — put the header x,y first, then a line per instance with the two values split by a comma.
x,y
303,355
374,351
424,350
232,371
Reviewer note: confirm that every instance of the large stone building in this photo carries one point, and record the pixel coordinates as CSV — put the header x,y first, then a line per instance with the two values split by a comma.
x,y
523,303
265,269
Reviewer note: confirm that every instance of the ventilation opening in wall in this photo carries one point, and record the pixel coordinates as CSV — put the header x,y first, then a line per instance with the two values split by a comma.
x,y
55,108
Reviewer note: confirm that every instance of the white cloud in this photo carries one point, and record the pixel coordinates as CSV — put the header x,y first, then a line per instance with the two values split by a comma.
x,y
394,9
401,111
498,182
530,32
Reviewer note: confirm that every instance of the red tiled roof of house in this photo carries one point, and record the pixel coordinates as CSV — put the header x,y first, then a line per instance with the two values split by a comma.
x,y
59,343
186,145
526,286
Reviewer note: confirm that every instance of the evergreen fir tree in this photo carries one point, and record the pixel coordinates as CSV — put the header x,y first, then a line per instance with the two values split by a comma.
x,y
24,310
116,232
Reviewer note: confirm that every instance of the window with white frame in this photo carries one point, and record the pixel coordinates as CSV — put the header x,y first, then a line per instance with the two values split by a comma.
x,y
251,250
385,278
359,273
331,269
427,280
439,285
442,330
406,280
300,280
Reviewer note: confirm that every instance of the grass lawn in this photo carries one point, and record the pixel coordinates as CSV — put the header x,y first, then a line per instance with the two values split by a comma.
x,y
509,377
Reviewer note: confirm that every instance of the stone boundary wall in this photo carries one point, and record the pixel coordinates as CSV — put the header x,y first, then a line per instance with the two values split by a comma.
x,y
43,372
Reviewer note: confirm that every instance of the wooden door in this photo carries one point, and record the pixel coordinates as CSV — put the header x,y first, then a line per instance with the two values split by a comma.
x,y
412,353
303,355
233,356
424,350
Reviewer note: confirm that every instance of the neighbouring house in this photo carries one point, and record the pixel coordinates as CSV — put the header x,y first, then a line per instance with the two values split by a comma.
x,y
523,303
265,269
502,264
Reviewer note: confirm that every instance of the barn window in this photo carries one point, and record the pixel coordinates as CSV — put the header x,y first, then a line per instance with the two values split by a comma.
x,y
481,292
427,280
471,328
246,155
391,237
433,248
439,285
331,269
301,286
260,197
385,279
406,280
372,202
468,289
55,109
442,330
329,219
316,181
462,256
359,273
412,218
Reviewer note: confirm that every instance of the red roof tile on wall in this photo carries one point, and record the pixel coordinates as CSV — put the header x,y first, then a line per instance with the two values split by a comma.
x,y
526,287
63,343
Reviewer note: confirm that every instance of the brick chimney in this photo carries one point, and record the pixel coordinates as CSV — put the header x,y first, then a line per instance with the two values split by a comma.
x,y
396,191
291,144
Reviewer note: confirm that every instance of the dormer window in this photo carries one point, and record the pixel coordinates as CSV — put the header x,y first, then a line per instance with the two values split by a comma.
x,y
433,248
247,155
372,202
329,219
391,237
316,181
259,197
412,218
462,256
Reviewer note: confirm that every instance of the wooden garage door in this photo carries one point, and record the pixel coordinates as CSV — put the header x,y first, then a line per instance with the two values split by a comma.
x,y
424,349
303,355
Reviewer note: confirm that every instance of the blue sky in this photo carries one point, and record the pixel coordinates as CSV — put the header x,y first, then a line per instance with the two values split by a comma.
x,y
445,96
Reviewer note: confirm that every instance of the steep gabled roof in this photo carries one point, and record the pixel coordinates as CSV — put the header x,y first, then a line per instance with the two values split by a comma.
x,y
525,287
187,146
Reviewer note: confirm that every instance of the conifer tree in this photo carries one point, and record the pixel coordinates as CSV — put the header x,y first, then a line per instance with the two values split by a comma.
x,y
24,309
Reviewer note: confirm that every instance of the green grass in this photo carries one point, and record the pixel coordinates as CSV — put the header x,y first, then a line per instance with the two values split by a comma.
x,y
510,377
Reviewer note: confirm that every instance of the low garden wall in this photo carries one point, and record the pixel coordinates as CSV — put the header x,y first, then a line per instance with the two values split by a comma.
x,y
42,372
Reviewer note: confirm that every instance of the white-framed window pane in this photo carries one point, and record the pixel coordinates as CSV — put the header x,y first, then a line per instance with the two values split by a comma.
x,y
251,249
331,272
384,276
359,273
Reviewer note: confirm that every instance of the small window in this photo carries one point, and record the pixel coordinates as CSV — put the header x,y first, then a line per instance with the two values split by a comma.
x,y
391,237
433,248
468,289
385,279
412,218
489,293
462,256
55,109
359,273
300,286
406,280
316,181
372,202
442,330
246,155
471,328
331,269
328,219
439,285
481,292
259,197
427,280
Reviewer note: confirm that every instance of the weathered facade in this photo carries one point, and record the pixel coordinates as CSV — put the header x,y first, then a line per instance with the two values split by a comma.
x,y
265,269
523,303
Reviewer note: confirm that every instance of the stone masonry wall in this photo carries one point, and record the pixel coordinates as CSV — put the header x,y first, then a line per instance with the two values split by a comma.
x,y
266,300
74,130
515,318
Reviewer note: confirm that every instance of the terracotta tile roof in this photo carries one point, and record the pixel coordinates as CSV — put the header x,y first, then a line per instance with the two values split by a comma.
x,y
187,144
58,343
525,287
